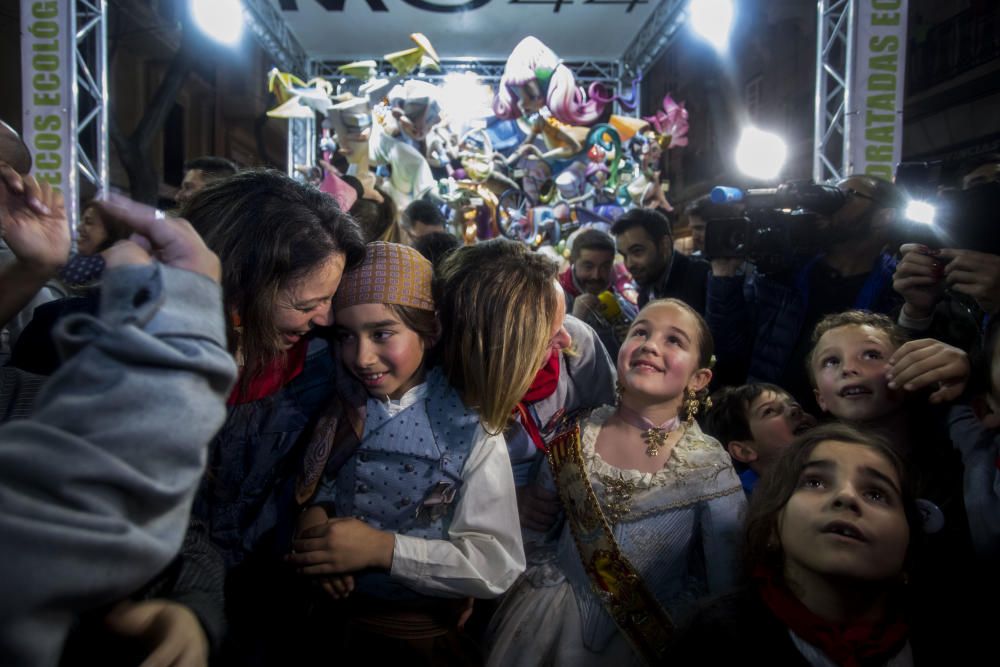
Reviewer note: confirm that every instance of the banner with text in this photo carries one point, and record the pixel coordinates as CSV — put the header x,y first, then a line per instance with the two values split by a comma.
x,y
47,43
876,96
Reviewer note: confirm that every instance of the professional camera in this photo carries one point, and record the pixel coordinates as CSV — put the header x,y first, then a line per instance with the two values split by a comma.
x,y
768,225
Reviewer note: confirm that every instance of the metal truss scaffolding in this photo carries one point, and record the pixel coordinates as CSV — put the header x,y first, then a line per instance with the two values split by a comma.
x,y
301,144
277,40
88,116
275,37
834,79
654,37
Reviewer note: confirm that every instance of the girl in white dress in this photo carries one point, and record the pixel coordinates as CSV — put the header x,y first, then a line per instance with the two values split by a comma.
x,y
653,512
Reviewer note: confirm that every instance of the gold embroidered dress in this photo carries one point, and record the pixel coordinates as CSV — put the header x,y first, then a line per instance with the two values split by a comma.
x,y
679,527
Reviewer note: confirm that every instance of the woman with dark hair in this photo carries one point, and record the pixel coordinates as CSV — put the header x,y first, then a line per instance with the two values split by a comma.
x,y
283,247
833,533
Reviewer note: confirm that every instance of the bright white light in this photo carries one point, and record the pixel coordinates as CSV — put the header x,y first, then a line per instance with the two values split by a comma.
x,y
712,21
464,99
920,211
222,20
760,154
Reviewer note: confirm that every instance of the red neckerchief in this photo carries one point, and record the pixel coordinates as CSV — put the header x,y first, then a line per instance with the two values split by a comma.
x,y
566,280
543,386
272,378
847,644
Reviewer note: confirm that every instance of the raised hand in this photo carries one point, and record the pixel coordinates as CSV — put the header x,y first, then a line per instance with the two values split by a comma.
x,y
976,274
919,279
928,362
33,221
172,241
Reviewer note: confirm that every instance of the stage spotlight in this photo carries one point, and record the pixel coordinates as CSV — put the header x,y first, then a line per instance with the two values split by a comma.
x,y
712,20
222,20
760,154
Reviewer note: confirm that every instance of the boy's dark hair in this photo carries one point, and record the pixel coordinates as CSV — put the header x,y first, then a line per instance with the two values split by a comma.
x,y
424,212
378,221
436,246
591,239
729,417
762,548
896,334
656,224
212,166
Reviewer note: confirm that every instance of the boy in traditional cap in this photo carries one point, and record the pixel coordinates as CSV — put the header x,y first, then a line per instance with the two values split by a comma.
x,y
415,511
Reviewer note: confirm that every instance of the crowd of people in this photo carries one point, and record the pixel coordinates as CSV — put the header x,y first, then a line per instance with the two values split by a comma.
x,y
293,420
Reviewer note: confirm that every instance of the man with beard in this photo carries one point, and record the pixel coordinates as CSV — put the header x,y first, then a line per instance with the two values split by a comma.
x,y
595,288
644,240
768,323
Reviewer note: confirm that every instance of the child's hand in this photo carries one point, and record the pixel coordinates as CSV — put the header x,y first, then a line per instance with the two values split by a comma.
x,y
919,279
310,518
340,546
537,507
926,362
169,629
338,587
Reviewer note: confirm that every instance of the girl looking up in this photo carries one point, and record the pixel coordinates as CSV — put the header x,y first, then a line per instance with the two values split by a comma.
x,y
652,512
831,532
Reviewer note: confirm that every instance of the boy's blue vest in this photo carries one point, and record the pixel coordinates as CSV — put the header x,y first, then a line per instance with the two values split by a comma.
x,y
406,475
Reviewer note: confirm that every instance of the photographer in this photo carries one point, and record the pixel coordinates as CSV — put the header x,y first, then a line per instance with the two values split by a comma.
x,y
949,291
765,322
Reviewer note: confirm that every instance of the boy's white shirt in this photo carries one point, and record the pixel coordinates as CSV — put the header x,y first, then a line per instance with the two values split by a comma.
x,y
484,554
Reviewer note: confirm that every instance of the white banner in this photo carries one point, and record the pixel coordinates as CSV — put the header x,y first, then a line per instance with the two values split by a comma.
x,y
47,43
875,106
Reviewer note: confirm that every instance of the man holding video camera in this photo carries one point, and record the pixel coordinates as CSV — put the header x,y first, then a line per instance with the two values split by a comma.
x,y
764,323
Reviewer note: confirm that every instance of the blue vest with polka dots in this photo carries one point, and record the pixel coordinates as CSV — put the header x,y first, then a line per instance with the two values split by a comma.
x,y
406,475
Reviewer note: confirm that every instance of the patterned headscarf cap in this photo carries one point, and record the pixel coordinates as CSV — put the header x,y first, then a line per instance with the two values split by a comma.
x,y
391,273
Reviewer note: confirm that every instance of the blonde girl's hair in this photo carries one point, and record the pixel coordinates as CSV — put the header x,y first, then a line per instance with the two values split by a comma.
x,y
497,302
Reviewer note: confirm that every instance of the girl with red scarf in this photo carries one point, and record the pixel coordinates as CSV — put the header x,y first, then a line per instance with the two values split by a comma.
x,y
831,537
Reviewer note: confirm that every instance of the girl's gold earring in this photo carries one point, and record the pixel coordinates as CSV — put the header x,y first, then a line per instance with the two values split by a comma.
x,y
692,407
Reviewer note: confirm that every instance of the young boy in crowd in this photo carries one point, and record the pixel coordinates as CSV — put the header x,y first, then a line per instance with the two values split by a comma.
x,y
862,368
864,373
755,423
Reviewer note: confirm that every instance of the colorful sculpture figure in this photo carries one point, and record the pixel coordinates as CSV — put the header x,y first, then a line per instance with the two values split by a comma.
x,y
537,86
298,98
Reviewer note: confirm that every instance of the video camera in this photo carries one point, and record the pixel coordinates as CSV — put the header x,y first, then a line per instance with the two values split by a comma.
x,y
768,225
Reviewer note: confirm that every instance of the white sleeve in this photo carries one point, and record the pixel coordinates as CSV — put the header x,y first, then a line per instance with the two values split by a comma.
x,y
484,553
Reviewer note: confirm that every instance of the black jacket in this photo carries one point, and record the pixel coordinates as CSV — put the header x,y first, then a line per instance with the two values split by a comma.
x,y
686,279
